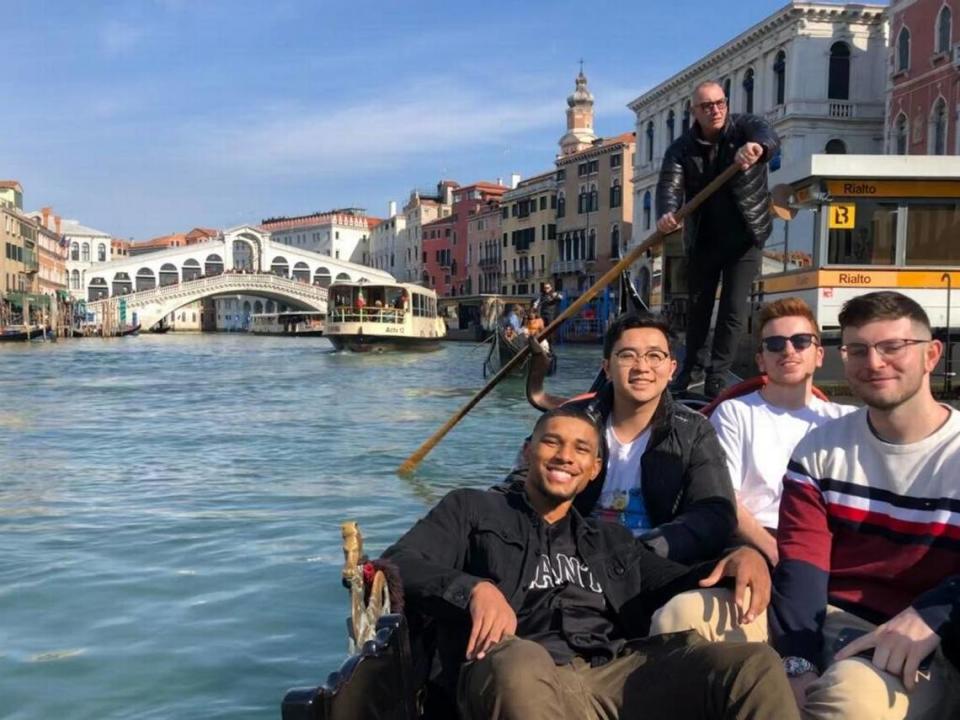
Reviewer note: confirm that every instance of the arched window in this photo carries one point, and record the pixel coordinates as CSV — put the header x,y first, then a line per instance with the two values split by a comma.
x,y
257,307
838,80
685,120
647,210
561,205
146,280
903,49
321,277
270,306
583,199
85,252
75,279
213,265
101,253
780,78
650,141
75,251
671,126
169,275
616,194
97,289
280,266
944,20
835,147
122,284
594,198
748,90
938,128
900,135
191,269
592,245
615,242
343,276
301,272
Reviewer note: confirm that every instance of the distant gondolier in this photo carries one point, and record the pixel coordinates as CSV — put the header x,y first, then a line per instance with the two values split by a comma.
x,y
548,303
725,237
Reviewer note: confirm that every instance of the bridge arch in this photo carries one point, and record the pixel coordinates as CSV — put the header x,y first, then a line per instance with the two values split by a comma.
x,y
280,266
322,277
301,272
190,270
146,280
213,265
343,276
122,284
169,275
257,307
97,289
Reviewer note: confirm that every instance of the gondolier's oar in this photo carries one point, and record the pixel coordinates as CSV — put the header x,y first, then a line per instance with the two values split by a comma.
x,y
652,240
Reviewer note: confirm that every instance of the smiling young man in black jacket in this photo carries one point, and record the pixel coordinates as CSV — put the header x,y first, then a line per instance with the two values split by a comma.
x,y
548,608
725,236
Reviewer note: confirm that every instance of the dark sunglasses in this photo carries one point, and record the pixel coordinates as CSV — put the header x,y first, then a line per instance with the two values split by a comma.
x,y
708,106
778,343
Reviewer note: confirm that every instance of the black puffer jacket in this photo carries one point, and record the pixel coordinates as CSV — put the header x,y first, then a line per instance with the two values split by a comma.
x,y
688,168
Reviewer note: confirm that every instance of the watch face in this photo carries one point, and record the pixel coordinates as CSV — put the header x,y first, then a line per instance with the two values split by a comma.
x,y
795,666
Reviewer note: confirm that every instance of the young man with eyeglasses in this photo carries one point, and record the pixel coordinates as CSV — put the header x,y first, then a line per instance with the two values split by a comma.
x,y
758,432
724,238
869,533
664,474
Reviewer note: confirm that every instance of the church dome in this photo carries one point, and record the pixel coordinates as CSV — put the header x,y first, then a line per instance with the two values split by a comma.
x,y
580,96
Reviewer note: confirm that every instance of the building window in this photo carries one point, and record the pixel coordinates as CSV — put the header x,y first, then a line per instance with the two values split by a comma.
x,y
835,147
900,135
592,245
671,126
75,251
647,210
838,81
780,78
616,193
938,128
85,252
685,120
903,49
101,253
616,160
650,141
543,202
944,19
75,279
594,199
615,242
748,90
561,206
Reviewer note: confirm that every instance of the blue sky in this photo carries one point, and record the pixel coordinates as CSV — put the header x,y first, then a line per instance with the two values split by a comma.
x,y
148,117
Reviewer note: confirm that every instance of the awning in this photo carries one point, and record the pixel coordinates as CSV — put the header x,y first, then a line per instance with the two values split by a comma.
x,y
17,299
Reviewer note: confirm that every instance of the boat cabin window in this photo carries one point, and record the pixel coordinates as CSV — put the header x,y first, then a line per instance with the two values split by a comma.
x,y
932,232
872,240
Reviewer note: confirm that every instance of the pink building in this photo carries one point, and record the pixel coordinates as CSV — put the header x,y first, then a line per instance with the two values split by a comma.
x,y
923,97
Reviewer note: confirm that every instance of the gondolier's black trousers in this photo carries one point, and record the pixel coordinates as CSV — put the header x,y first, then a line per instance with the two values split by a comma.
x,y
706,270
662,678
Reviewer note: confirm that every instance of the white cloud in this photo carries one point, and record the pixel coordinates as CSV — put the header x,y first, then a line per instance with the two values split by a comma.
x,y
373,133
118,38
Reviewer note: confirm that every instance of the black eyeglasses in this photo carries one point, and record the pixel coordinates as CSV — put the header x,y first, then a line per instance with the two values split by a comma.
x,y
887,349
708,106
778,343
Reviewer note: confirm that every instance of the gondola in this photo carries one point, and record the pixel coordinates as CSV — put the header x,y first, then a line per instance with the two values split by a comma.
x,y
503,347
21,335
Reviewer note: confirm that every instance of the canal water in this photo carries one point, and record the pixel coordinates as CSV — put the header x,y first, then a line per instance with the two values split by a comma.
x,y
170,509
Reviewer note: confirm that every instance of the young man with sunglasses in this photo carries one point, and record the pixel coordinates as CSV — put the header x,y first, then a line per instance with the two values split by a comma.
x,y
869,533
725,237
758,432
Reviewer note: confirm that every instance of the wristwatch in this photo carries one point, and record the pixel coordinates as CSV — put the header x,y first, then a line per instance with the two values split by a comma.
x,y
796,666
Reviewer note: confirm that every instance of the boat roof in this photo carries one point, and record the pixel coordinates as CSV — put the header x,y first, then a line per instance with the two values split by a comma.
x,y
409,287
940,167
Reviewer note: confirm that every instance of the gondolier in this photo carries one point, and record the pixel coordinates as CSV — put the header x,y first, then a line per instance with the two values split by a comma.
x,y
547,303
725,237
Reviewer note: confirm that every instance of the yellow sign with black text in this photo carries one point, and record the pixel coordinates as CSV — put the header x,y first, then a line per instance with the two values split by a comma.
x,y
843,216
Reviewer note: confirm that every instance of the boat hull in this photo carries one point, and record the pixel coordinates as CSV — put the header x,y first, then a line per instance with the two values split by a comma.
x,y
21,335
362,342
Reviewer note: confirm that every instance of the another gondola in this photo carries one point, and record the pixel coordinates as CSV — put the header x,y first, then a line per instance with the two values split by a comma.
x,y
504,345
21,333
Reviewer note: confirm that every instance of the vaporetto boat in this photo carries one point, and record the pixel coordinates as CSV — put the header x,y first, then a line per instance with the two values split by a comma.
x,y
367,317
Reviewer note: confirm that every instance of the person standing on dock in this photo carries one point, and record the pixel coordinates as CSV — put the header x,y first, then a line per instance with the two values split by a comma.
x,y
724,238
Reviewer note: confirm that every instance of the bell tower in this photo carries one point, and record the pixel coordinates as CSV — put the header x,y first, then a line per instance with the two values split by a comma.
x,y
579,135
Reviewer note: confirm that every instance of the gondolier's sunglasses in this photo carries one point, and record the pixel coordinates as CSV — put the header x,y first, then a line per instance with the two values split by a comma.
x,y
778,343
708,106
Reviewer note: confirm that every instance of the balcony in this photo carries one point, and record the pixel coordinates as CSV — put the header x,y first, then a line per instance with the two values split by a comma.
x,y
523,273
491,261
563,267
833,109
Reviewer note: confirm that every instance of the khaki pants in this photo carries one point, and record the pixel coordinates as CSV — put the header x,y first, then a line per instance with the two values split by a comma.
x,y
664,678
848,690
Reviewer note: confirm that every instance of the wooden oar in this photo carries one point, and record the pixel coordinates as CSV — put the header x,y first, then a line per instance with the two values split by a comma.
x,y
653,240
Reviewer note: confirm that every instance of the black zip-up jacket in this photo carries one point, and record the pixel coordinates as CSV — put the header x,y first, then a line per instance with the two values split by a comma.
x,y
687,169
684,480
474,535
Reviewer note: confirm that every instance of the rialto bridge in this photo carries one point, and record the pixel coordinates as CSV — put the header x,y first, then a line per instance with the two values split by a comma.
x,y
245,254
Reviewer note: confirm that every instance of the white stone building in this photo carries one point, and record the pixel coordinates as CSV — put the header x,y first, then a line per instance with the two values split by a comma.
x,y
815,70
384,240
87,248
342,234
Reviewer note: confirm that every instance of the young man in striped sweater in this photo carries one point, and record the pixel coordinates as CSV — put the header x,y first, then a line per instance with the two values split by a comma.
x,y
868,584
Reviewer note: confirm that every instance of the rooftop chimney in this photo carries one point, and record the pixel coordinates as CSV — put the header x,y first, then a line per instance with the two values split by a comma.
x,y
514,180
391,208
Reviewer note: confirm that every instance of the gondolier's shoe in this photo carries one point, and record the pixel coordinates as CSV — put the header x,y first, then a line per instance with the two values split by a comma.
x,y
685,378
715,384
